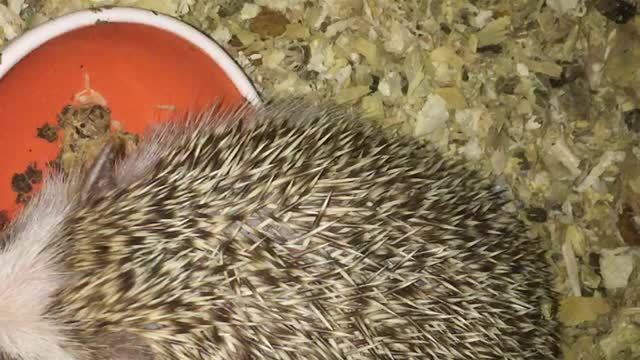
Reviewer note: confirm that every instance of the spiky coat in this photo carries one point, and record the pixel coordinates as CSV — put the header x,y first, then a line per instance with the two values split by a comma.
x,y
297,231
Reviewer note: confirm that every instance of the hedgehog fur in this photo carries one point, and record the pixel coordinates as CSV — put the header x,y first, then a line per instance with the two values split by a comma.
x,y
296,230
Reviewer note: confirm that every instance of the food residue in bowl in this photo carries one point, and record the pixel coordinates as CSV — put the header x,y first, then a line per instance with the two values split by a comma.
x,y
22,183
48,133
4,219
86,130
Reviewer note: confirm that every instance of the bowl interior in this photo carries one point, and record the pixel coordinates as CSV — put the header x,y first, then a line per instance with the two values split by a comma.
x,y
141,71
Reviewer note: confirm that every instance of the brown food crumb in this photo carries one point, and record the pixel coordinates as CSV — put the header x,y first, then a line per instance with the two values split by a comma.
x,y
235,41
20,183
85,131
627,227
495,49
229,8
269,23
23,198
33,174
618,11
4,219
570,73
537,214
48,133
507,85
632,119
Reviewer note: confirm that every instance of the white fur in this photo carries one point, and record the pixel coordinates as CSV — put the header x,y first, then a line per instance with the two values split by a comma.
x,y
29,272
29,277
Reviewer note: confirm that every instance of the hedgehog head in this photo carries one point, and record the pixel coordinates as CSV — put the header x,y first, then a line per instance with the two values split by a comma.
x,y
30,277
33,275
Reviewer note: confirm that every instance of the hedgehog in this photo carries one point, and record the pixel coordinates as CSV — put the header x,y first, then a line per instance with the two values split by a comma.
x,y
296,229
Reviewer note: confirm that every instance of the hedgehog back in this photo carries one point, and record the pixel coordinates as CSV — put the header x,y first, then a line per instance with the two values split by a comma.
x,y
302,232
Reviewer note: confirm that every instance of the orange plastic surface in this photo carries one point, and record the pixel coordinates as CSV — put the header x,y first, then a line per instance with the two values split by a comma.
x,y
135,67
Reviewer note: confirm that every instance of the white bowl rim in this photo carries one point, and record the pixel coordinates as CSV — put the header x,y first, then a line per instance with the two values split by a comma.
x,y
31,39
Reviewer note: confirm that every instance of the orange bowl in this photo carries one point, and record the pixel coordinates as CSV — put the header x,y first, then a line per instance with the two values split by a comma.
x,y
145,65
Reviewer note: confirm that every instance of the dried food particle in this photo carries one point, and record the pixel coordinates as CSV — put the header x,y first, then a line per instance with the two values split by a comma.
x,y
64,113
230,8
269,23
445,28
48,133
523,161
99,118
594,262
495,49
256,62
404,83
4,219
306,54
324,25
570,73
507,85
33,174
537,214
375,81
20,183
632,119
22,198
309,75
84,131
235,41
465,74
618,11
627,227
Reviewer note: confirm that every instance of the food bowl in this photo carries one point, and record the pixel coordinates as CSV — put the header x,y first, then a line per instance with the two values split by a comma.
x,y
146,66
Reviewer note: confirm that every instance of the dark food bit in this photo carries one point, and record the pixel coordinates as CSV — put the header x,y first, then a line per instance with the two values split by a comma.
x,y
537,214
632,119
523,161
64,113
594,262
85,129
306,54
269,23
4,220
229,8
20,183
570,73
627,226
375,81
496,49
618,11
445,28
507,85
235,41
405,83
22,198
309,75
33,174
465,74
48,133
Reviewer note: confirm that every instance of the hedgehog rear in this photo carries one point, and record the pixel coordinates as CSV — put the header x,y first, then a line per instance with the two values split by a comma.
x,y
298,231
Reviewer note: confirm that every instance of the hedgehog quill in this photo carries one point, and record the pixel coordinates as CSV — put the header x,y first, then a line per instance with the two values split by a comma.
x,y
294,231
